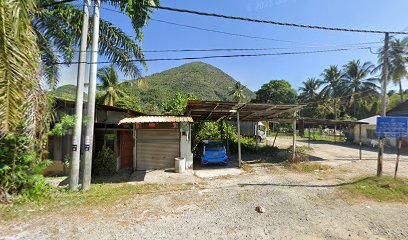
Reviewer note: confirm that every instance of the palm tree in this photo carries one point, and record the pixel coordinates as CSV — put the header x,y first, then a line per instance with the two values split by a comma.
x,y
333,78
19,78
310,87
58,31
109,91
398,59
357,82
237,92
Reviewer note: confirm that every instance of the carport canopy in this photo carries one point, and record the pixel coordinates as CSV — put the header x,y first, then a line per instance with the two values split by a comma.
x,y
150,119
201,110
250,112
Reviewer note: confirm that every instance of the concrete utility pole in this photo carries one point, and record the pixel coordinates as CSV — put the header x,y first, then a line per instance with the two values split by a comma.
x,y
76,140
383,103
86,178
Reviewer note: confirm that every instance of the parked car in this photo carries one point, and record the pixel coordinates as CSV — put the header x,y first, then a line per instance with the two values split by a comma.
x,y
213,152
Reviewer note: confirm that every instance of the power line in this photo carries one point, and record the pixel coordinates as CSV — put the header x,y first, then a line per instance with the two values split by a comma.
x,y
215,49
248,36
275,22
223,56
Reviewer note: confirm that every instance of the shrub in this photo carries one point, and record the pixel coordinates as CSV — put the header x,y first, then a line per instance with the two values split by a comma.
x,y
300,156
21,166
104,163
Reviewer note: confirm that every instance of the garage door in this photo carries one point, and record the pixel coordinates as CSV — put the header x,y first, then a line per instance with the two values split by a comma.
x,y
157,148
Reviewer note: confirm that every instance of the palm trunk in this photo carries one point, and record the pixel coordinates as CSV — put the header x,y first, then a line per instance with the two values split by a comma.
x,y
401,91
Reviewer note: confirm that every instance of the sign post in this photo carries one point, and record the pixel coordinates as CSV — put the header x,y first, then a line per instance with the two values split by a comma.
x,y
393,127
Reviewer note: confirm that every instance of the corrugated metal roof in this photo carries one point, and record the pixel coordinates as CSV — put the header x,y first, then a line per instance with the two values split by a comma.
x,y
147,119
371,120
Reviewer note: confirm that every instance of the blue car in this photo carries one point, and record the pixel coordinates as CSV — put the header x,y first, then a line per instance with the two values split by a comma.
x,y
214,152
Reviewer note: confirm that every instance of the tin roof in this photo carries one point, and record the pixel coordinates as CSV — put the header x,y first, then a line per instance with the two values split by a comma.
x,y
201,110
148,119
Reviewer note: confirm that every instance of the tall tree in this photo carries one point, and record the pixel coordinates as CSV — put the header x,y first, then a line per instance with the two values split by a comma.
x,y
333,78
237,92
19,76
276,92
310,87
398,59
109,90
358,84
57,27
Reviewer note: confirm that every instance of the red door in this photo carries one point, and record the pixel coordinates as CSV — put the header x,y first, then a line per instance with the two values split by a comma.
x,y
126,150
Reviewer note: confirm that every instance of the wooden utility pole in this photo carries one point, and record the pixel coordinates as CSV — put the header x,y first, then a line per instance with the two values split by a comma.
x,y
239,139
383,103
399,144
294,138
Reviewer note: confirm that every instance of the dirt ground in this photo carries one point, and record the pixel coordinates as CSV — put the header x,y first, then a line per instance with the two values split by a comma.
x,y
297,206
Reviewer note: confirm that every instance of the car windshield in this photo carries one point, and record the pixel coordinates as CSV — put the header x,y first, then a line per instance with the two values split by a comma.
x,y
214,147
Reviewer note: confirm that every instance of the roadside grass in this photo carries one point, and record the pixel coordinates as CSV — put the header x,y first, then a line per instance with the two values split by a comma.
x,y
247,168
307,167
384,189
316,136
100,194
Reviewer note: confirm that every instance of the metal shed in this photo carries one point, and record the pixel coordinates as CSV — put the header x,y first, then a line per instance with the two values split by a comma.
x,y
158,140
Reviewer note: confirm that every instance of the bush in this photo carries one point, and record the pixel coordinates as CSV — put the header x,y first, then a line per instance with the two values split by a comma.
x,y
104,163
21,166
300,156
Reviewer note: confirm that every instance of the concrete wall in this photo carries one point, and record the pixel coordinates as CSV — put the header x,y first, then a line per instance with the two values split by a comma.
x,y
364,139
185,144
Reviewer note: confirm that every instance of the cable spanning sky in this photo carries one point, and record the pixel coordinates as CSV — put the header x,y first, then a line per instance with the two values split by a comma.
x,y
255,71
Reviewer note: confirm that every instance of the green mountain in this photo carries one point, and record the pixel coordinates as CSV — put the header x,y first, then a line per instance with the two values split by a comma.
x,y
203,80
67,92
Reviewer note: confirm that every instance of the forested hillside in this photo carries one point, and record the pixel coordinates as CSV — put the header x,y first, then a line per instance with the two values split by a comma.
x,y
202,80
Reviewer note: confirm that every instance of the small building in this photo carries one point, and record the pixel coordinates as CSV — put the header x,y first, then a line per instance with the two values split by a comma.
x,y
368,130
107,133
158,140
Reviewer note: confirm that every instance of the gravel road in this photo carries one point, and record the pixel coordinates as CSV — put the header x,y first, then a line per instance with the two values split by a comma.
x,y
297,206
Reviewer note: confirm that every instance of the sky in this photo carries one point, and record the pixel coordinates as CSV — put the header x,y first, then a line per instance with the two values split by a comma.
x,y
256,71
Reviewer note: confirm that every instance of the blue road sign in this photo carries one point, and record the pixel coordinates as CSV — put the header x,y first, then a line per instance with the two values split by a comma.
x,y
392,127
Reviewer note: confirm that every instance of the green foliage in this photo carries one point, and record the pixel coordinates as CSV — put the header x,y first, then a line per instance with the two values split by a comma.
x,y
129,101
378,188
21,166
60,129
276,92
301,154
307,167
202,80
67,92
237,92
178,104
104,163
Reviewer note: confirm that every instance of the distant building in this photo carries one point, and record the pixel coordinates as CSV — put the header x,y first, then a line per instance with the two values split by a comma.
x,y
107,133
368,131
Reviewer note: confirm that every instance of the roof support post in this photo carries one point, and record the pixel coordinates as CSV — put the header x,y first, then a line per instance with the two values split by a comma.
x,y
359,138
294,138
239,140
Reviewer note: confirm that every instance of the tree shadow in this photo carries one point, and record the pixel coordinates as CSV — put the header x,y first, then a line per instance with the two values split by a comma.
x,y
302,185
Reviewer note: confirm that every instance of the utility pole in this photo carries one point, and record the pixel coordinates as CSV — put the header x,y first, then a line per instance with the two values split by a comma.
x,y
86,178
294,138
383,103
239,139
76,140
